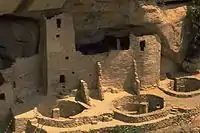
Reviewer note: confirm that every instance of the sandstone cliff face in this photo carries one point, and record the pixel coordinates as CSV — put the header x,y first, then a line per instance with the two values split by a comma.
x,y
163,17
191,62
92,20
140,17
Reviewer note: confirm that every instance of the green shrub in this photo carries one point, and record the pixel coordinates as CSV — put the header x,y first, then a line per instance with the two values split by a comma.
x,y
189,12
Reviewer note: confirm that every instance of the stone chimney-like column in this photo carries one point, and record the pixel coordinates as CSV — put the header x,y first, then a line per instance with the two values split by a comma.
x,y
99,79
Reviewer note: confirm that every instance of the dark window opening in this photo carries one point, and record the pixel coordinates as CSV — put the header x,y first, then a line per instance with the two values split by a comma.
x,y
142,45
107,44
58,22
2,96
57,36
14,84
169,75
124,43
62,78
110,42
67,57
2,80
92,48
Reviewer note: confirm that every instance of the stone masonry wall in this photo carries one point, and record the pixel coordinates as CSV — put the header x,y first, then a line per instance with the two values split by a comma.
x,y
148,59
69,123
26,75
64,60
186,84
142,117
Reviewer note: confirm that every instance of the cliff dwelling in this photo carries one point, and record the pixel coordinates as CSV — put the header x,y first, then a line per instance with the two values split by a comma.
x,y
99,66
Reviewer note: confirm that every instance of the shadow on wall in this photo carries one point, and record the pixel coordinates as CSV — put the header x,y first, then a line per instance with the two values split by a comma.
x,y
19,37
193,49
106,45
176,58
67,108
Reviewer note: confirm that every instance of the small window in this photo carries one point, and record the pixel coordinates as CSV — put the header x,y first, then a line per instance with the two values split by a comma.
x,y
58,22
2,96
142,45
67,57
14,84
62,78
110,43
57,36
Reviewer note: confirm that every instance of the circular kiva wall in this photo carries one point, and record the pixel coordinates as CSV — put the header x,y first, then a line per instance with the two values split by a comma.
x,y
67,108
134,109
139,104
186,84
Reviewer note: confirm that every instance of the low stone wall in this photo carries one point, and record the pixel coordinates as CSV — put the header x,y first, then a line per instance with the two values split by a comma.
x,y
170,84
69,123
180,94
32,129
127,103
186,84
141,117
172,120
67,107
20,124
168,122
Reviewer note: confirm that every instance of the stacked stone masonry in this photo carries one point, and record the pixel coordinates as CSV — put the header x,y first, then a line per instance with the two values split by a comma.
x,y
84,92
99,80
40,59
140,118
75,122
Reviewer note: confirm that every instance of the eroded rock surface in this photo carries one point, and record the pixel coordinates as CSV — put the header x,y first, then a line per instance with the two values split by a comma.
x,y
19,37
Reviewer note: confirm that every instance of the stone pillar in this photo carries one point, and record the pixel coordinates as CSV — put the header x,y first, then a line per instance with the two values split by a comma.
x,y
56,113
136,77
84,92
99,79
143,108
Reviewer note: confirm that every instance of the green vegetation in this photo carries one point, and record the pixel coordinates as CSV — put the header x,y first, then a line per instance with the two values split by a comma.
x,y
189,12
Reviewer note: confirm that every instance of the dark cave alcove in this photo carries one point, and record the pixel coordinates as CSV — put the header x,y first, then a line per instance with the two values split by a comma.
x,y
107,44
19,37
